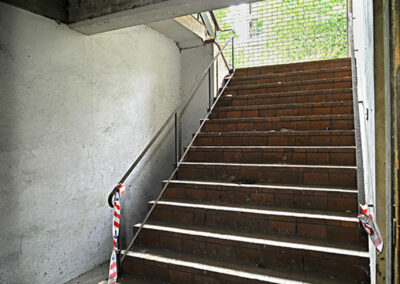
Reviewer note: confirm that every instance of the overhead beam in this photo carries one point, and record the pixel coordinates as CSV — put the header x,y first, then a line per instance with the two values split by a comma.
x,y
148,11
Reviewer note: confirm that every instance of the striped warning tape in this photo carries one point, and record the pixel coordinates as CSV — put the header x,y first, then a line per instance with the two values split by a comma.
x,y
112,275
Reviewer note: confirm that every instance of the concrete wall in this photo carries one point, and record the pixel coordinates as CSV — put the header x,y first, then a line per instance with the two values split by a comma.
x,y
364,52
74,113
194,62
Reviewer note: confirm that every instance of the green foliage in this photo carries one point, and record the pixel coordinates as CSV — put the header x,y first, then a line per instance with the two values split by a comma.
x,y
284,31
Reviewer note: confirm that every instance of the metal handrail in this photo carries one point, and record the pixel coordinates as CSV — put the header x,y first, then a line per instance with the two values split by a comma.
x,y
178,110
177,167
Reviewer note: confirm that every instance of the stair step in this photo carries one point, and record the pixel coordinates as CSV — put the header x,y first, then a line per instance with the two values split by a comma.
x,y
180,268
286,97
132,279
293,67
310,224
310,122
320,175
301,197
320,84
291,76
256,249
343,155
322,108
277,138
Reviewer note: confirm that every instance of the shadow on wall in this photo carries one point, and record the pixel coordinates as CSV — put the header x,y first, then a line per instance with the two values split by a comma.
x,y
11,240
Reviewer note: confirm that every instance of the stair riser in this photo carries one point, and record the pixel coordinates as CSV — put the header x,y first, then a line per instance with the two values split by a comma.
x,y
287,87
269,99
315,139
288,156
288,77
176,274
315,229
271,175
303,66
285,198
254,254
289,111
277,125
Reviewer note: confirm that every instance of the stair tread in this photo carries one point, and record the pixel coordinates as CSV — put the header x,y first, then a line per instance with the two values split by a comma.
x,y
271,165
298,72
274,106
133,279
281,118
298,82
275,147
261,238
266,186
247,272
264,210
288,93
286,132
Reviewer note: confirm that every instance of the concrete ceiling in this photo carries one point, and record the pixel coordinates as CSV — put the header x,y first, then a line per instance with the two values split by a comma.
x,y
96,16
186,31
91,18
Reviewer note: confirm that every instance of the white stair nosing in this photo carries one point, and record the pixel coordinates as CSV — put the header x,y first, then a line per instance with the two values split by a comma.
x,y
264,186
258,211
290,93
277,147
279,132
256,240
210,268
289,117
271,165
243,107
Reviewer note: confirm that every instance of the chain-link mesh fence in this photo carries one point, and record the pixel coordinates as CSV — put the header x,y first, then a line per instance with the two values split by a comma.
x,y
284,31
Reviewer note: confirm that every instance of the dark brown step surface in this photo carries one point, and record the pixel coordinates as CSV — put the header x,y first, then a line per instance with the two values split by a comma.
x,y
303,223
256,249
291,76
286,97
180,268
305,155
292,67
277,138
319,175
293,123
300,197
306,85
296,109
132,279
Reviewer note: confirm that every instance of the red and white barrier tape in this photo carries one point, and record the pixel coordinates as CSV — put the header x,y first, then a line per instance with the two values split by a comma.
x,y
368,222
112,275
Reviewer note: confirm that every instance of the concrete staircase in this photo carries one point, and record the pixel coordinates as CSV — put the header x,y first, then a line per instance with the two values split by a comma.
x,y
268,192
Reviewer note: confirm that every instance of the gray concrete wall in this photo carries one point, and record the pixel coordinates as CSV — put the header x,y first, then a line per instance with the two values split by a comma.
x,y
74,113
364,53
194,62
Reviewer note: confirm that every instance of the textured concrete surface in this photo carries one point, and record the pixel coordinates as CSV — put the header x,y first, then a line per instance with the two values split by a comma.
x,y
75,111
54,9
80,10
97,21
364,46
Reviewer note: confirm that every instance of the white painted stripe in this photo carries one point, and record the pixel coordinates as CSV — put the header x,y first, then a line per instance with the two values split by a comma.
x,y
211,268
271,165
259,211
257,241
274,147
291,117
300,188
301,105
